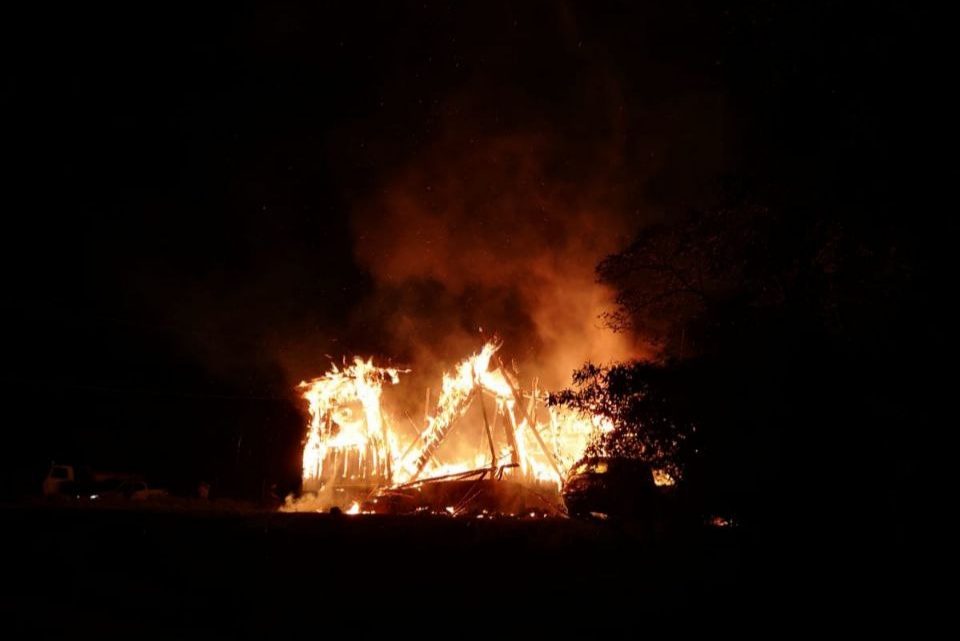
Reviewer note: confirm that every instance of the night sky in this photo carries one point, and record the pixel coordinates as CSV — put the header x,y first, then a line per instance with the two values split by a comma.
x,y
197,200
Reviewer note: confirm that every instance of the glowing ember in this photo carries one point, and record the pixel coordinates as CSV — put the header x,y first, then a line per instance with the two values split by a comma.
x,y
721,521
662,478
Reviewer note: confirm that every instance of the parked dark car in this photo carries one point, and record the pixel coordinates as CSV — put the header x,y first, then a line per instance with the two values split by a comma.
x,y
616,487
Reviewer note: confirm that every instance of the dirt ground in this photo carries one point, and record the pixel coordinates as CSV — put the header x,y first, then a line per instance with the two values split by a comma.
x,y
133,571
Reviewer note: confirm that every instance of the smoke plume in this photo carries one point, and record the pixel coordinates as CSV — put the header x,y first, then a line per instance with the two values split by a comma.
x,y
499,235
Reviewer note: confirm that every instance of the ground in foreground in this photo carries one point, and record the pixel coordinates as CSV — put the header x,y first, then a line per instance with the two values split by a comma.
x,y
133,570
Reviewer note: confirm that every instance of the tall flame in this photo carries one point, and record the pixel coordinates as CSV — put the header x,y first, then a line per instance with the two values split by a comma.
x,y
334,425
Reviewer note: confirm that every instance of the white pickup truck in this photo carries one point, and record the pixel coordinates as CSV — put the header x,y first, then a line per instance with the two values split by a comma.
x,y
57,478
63,480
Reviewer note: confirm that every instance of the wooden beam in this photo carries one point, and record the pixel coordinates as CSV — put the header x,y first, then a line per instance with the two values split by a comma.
x,y
416,440
511,440
486,426
386,446
439,432
533,428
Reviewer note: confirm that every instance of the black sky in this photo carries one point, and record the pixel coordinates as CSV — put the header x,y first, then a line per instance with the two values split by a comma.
x,y
182,182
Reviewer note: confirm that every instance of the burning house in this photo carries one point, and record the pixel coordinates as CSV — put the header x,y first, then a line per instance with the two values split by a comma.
x,y
487,444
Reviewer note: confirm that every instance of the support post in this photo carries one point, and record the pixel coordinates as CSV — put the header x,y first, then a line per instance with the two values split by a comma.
x,y
533,428
486,426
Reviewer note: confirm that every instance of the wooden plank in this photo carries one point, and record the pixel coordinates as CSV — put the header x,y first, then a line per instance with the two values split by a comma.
x,y
532,426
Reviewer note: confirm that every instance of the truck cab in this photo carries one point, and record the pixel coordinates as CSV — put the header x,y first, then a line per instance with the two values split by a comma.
x,y
58,476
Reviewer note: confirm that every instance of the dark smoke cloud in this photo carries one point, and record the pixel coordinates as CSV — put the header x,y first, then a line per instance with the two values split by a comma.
x,y
470,180
532,169
489,234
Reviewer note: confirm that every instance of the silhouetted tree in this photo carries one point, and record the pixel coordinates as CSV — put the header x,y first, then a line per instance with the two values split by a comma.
x,y
644,403
679,272
685,283
784,334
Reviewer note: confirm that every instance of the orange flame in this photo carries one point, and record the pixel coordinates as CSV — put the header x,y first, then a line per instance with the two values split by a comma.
x,y
334,423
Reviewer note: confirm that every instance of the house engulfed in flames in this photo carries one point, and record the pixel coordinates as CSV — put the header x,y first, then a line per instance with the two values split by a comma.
x,y
487,446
